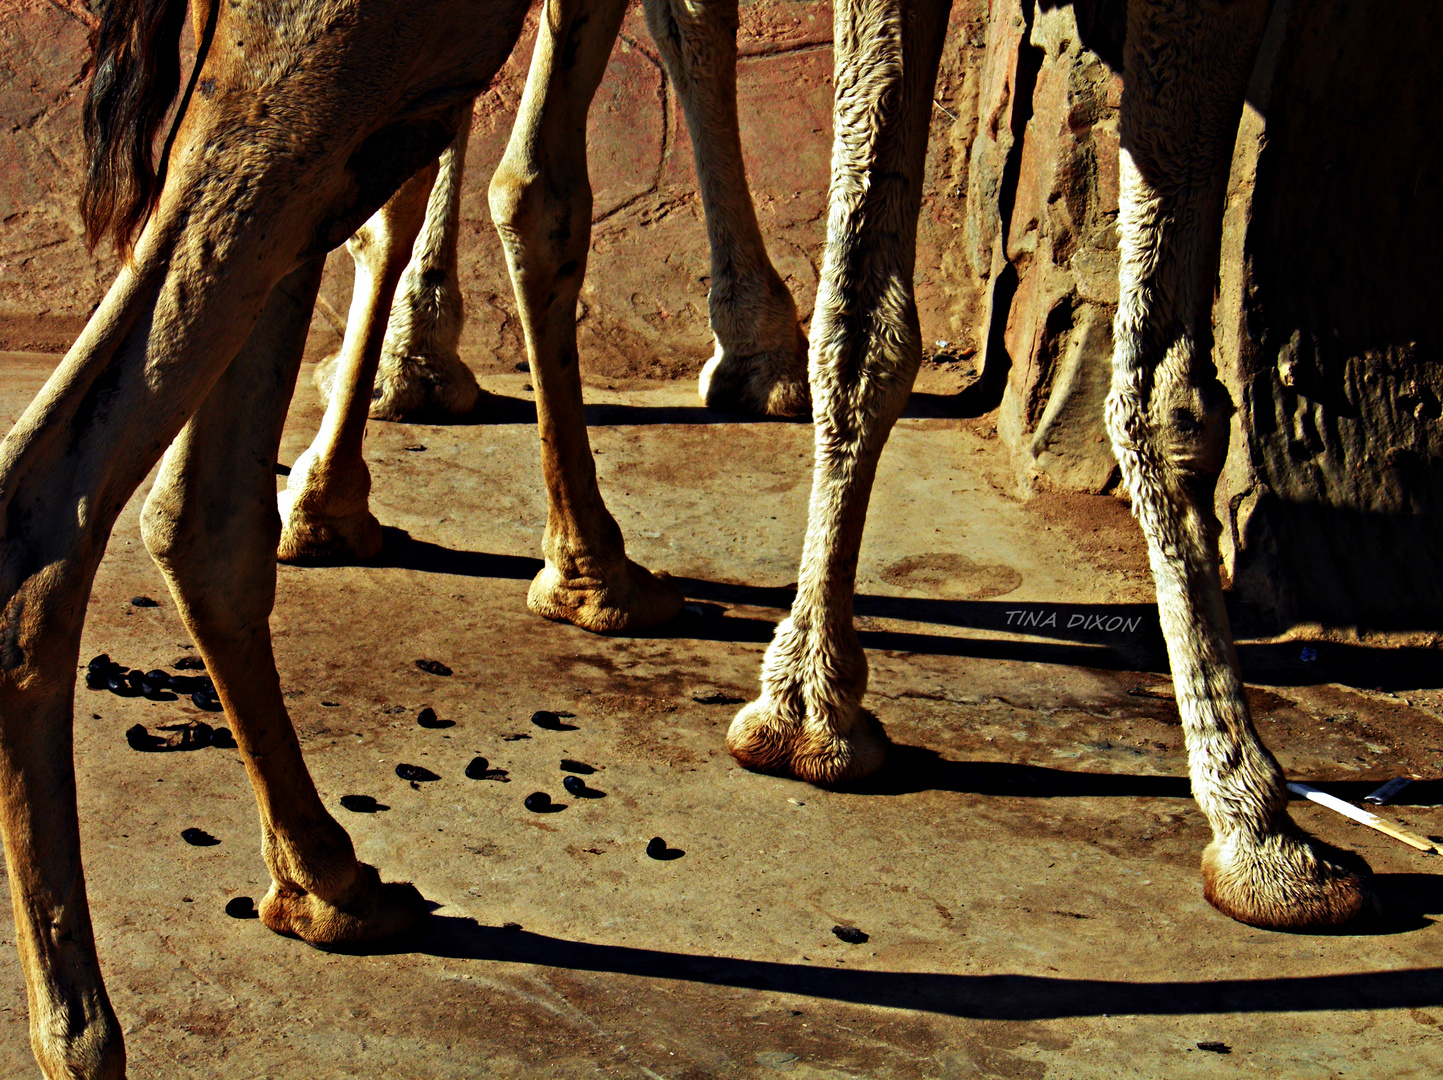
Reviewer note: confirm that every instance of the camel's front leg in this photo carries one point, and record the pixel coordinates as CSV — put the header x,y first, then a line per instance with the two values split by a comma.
x,y
1187,65
541,202
325,506
760,363
866,347
211,525
421,375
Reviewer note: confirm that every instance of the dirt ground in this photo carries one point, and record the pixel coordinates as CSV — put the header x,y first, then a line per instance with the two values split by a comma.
x,y
1026,870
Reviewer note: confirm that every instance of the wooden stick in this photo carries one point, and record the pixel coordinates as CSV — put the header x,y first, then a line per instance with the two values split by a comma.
x,y
1373,821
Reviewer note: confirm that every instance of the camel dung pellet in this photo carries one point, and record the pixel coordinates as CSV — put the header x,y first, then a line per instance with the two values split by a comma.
x,y
198,838
570,765
434,667
415,773
360,804
143,601
241,907
477,769
202,700
544,718
427,719
101,663
222,739
97,680
574,784
656,847
850,934
191,663
538,802
158,677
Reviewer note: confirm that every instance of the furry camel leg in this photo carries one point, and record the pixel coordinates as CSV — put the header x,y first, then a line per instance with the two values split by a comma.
x,y
1186,68
325,505
866,348
541,203
211,525
273,163
760,364
421,375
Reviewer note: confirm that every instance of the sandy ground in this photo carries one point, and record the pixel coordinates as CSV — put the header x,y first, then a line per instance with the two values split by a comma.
x,y
1025,870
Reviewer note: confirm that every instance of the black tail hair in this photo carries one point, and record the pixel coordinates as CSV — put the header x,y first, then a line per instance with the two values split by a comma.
x,y
137,73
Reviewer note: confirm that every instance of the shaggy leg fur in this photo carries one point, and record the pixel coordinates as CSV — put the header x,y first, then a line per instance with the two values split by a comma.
x,y
325,505
210,524
421,375
760,363
866,347
1187,65
272,166
541,203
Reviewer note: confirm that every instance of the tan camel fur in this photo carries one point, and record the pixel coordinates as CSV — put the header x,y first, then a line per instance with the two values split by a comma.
x,y
1185,71
759,363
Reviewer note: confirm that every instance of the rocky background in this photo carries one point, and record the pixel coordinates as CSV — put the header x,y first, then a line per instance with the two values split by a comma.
x,y
1332,501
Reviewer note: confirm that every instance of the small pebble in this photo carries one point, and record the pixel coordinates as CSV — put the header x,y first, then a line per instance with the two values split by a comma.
x,y
192,663
850,934
656,847
360,804
435,667
198,838
201,700
143,601
570,765
1215,1047
477,769
427,719
414,448
538,802
574,784
241,907
415,773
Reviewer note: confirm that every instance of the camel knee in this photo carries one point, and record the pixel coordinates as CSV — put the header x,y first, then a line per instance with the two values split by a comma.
x,y
1174,438
542,220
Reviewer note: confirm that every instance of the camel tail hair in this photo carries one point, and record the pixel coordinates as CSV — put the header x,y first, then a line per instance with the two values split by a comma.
x,y
136,73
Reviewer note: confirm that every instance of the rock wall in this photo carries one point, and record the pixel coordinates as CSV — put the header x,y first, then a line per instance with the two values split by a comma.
x,y
1332,499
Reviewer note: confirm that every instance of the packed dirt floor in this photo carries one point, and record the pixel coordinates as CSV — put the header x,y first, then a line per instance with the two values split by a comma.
x,y
1025,871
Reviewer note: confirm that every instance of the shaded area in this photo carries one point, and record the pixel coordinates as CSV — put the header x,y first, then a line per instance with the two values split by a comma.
x,y
1139,649
981,997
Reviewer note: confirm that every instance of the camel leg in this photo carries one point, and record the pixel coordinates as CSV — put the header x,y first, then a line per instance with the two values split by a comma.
x,y
761,351
866,348
541,203
1186,68
211,525
325,504
421,374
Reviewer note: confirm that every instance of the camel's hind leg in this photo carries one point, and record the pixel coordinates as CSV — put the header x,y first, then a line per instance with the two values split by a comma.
x,y
1187,66
760,363
211,525
421,375
541,203
325,505
866,348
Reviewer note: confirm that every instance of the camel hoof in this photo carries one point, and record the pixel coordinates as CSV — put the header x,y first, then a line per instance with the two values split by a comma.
x,y
772,383
316,540
632,599
423,388
372,912
767,738
1287,881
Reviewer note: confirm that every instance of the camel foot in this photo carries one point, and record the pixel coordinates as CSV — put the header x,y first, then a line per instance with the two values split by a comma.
x,y
412,388
91,1050
772,383
633,598
1287,881
372,911
326,540
828,751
